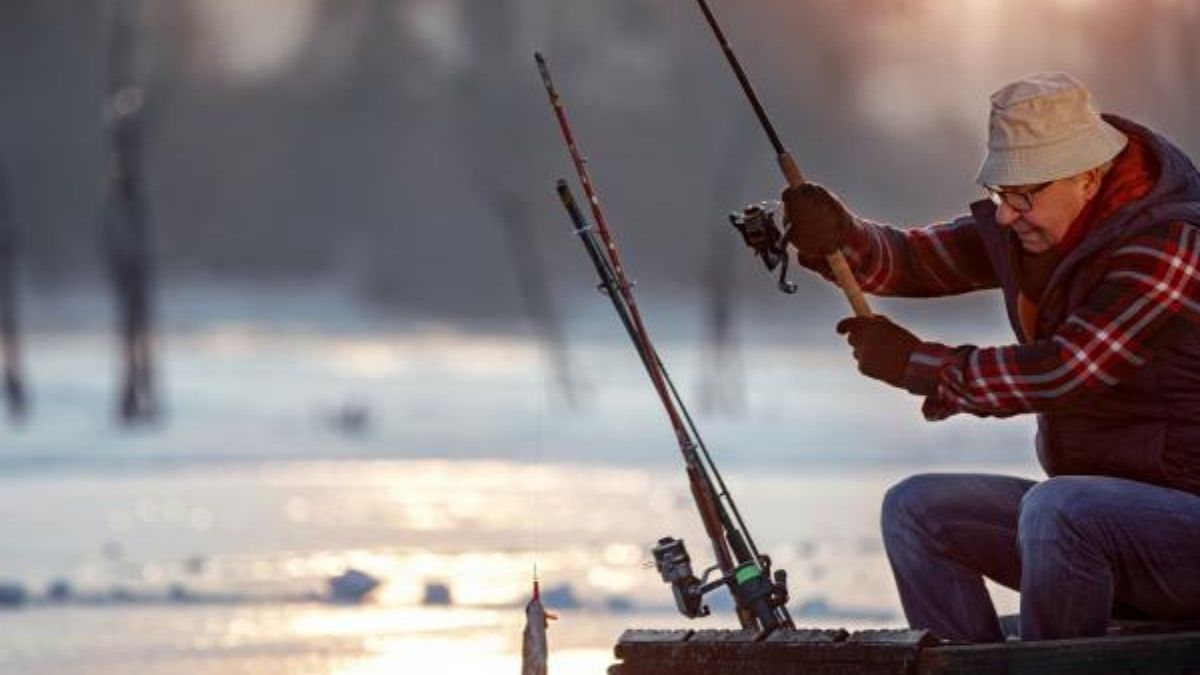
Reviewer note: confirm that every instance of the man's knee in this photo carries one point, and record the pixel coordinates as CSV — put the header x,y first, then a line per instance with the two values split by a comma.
x,y
1060,506
904,503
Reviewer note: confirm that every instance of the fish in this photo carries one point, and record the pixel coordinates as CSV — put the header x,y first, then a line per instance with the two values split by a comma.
x,y
534,647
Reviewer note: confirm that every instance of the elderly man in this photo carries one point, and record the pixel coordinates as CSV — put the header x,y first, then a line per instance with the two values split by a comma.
x,y
1092,233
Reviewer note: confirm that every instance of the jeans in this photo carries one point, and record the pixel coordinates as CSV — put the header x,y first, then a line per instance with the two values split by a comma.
x,y
1073,546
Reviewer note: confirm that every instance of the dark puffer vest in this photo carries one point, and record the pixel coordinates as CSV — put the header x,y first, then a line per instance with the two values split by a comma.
x,y
1147,427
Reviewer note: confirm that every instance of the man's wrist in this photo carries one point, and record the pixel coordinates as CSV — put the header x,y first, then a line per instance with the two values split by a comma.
x,y
924,370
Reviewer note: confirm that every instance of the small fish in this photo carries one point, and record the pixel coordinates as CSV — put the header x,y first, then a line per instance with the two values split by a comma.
x,y
533,647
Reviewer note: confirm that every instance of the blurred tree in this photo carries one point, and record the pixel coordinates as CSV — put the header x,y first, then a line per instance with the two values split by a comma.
x,y
347,161
124,219
497,127
722,387
15,395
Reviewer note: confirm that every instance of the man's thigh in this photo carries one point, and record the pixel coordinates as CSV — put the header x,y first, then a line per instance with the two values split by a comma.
x,y
1150,533
973,517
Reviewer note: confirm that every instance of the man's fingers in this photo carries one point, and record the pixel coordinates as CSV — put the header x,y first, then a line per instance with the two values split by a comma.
x,y
846,325
856,324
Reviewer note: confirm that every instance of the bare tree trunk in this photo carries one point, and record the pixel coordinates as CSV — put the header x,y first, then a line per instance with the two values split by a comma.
x,y
15,395
124,222
499,148
722,385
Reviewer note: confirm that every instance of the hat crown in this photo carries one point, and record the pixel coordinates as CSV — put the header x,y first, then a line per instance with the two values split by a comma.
x,y
1044,127
1040,109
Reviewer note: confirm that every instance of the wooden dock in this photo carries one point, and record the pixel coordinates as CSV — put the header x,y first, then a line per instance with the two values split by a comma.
x,y
900,652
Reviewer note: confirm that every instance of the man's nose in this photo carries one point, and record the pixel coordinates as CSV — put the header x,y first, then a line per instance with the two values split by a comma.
x,y
1006,215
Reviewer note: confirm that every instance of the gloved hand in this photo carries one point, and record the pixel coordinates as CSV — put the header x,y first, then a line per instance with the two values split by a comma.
x,y
820,224
881,347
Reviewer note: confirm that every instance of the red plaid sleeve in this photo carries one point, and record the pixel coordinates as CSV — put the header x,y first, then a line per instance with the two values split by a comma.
x,y
1152,279
939,259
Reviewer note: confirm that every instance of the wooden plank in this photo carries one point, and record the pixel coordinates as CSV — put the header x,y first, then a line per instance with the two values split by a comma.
x,y
642,636
796,652
723,637
1165,654
1142,627
807,636
730,668
899,652
895,637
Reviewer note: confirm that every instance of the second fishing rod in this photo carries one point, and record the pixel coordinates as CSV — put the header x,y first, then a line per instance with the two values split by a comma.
x,y
760,599
760,596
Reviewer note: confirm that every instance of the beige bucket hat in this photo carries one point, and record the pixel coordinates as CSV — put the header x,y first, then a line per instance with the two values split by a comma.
x,y
1042,128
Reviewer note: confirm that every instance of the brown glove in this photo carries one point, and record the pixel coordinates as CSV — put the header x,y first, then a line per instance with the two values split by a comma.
x,y
820,224
881,348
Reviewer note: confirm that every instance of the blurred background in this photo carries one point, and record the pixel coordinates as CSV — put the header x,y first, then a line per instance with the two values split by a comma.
x,y
306,370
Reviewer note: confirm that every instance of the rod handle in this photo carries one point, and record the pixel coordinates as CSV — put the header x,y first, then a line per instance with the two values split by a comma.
x,y
791,172
845,279
837,261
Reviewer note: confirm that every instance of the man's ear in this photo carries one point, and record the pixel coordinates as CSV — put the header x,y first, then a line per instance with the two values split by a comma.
x,y
1091,181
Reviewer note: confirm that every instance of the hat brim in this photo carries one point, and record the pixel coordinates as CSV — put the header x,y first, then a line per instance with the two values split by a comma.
x,y
1064,158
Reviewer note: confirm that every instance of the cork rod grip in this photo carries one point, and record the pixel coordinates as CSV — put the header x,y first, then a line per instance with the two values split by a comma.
x,y
837,261
791,172
845,279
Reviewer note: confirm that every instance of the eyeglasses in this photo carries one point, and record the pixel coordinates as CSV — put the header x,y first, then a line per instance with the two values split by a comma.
x,y
1020,201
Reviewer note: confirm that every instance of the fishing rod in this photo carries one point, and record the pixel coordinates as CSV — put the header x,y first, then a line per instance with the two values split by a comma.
x,y
608,263
757,227
632,317
760,596
761,602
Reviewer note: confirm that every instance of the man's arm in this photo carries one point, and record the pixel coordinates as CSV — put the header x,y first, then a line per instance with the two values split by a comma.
x,y
934,260
1150,281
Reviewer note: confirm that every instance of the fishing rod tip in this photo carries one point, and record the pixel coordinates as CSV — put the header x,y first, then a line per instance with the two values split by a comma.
x,y
544,70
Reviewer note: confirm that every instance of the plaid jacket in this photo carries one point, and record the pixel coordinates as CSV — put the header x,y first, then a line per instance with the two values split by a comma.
x,y
1136,285
1145,282
1111,365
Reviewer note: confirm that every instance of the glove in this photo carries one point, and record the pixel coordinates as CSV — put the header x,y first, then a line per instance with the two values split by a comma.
x,y
820,224
881,347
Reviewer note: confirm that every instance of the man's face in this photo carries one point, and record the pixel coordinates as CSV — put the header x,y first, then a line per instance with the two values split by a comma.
x,y
1052,209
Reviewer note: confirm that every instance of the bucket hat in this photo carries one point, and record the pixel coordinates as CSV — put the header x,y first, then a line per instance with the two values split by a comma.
x,y
1043,127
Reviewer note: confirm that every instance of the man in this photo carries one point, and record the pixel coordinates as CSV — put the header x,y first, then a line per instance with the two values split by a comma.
x,y
1092,234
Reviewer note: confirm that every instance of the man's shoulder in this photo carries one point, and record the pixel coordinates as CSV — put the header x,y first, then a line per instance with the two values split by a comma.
x,y
1173,238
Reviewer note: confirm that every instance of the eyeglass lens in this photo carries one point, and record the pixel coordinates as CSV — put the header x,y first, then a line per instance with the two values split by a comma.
x,y
1017,201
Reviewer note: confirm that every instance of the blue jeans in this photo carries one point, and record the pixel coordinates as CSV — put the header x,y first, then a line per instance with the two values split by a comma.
x,y
1074,546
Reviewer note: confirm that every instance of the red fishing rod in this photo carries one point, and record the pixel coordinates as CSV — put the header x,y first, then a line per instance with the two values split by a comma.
x,y
760,601
638,333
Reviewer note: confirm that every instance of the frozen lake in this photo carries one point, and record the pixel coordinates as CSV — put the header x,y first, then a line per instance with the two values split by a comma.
x,y
204,545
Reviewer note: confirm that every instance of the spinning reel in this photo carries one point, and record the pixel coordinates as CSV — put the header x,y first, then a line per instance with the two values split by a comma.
x,y
757,596
756,223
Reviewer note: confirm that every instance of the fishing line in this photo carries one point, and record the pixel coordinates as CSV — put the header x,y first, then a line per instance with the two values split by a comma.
x,y
541,384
